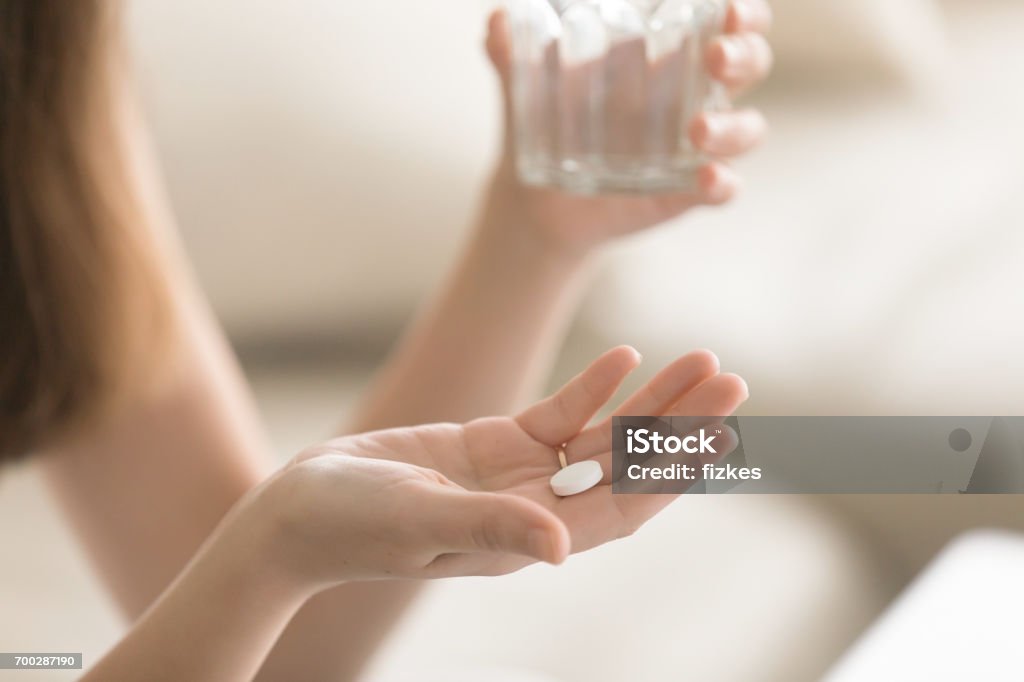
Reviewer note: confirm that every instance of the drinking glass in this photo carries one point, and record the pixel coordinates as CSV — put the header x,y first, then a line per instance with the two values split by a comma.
x,y
604,91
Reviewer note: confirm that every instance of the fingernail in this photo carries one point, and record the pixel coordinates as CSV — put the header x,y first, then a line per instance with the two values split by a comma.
x,y
714,126
736,51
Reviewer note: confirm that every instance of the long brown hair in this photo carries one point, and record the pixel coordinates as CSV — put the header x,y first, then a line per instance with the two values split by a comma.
x,y
76,283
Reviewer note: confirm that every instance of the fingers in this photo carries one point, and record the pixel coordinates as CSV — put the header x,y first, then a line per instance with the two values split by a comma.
x,y
728,133
742,57
739,60
708,398
716,397
652,399
718,134
712,401
557,419
464,522
599,515
717,184
669,384
499,51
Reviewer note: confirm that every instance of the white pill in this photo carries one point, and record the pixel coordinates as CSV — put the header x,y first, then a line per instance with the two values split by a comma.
x,y
577,478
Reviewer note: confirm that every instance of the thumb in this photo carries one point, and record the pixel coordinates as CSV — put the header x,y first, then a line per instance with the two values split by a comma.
x,y
471,522
499,50
499,47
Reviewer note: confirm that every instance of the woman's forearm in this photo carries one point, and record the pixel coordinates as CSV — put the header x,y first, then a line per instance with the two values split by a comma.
x,y
485,343
481,346
215,623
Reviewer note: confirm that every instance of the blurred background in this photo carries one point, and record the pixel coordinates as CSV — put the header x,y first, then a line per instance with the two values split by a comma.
x,y
325,158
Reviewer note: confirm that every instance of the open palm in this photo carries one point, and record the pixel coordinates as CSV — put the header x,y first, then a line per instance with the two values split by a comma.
x,y
518,455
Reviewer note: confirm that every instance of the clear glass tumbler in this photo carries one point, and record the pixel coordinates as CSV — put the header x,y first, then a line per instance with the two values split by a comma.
x,y
604,91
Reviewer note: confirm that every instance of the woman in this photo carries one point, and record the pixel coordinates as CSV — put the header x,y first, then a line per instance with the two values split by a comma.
x,y
116,379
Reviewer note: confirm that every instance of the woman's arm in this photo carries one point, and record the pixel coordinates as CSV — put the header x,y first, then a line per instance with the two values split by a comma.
x,y
311,525
513,291
435,501
481,347
144,488
485,342
147,487
215,623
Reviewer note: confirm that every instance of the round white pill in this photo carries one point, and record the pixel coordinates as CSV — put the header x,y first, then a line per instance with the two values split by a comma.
x,y
577,478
